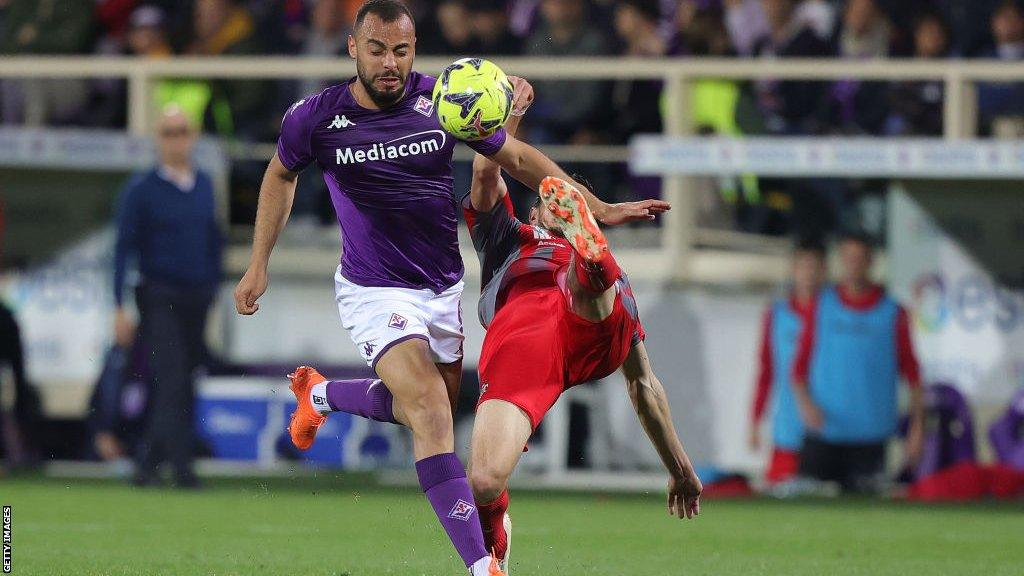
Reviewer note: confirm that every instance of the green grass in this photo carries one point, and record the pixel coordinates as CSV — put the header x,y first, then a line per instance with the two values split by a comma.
x,y
340,527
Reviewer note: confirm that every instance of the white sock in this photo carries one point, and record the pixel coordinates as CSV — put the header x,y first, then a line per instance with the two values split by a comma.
x,y
481,567
318,396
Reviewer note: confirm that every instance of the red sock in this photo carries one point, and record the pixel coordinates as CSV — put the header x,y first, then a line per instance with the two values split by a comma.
x,y
598,276
492,516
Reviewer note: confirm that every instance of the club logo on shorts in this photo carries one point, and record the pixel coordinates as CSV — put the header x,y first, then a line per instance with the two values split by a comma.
x,y
368,348
424,106
462,510
397,321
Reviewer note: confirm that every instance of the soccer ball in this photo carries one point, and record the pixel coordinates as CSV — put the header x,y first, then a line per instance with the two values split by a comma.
x,y
473,98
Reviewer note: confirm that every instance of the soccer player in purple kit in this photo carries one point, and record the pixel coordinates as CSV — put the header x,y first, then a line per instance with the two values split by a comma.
x,y
387,165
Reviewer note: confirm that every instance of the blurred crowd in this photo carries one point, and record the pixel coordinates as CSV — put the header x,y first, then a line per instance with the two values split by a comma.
x,y
580,112
854,29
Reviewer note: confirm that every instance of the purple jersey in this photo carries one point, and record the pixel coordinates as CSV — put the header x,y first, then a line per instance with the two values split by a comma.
x,y
389,173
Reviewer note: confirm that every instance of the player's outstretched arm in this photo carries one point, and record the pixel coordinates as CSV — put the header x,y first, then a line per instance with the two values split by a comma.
x,y
651,405
275,204
488,186
529,165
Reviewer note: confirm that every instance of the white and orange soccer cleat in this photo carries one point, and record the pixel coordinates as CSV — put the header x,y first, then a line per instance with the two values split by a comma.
x,y
305,420
577,222
487,567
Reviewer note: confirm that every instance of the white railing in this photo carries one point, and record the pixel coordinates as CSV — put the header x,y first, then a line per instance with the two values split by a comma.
x,y
677,256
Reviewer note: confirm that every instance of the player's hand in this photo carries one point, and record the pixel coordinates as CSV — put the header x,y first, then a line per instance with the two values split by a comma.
x,y
124,328
623,212
811,414
522,95
252,285
914,446
754,440
684,495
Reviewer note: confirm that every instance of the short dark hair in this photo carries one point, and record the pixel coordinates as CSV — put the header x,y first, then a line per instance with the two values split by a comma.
x,y
649,9
386,10
810,245
858,237
1007,5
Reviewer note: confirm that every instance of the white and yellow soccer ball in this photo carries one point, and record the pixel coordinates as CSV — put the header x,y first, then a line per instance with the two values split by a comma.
x,y
472,98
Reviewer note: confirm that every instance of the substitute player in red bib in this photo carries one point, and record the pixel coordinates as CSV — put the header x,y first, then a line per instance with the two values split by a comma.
x,y
558,312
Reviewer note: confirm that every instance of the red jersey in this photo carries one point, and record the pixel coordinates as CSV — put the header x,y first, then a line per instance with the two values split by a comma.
x,y
510,251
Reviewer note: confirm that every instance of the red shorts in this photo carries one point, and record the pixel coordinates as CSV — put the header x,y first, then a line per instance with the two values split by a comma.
x,y
536,347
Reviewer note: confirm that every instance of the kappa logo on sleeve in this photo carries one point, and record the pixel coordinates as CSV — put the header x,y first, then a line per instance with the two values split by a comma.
x,y
398,322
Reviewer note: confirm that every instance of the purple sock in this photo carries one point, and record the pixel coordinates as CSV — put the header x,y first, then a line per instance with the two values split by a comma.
x,y
443,480
368,398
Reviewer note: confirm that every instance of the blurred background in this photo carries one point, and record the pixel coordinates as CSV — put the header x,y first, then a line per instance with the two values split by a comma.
x,y
769,124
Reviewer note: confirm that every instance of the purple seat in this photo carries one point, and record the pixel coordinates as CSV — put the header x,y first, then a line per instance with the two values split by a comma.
x,y
949,430
1007,434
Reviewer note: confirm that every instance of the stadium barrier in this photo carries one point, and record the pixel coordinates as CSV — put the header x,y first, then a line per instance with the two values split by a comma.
x,y
723,256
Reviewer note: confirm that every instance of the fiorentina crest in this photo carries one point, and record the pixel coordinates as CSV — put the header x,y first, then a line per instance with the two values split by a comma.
x,y
397,321
424,105
462,510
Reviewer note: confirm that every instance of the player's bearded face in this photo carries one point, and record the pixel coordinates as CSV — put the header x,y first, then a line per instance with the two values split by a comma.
x,y
384,54
541,216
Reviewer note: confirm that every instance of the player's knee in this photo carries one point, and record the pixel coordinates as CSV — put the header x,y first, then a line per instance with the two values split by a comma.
x,y
486,481
430,415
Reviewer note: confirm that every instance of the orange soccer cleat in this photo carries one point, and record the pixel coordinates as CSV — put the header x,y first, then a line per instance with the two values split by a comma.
x,y
494,569
578,225
305,420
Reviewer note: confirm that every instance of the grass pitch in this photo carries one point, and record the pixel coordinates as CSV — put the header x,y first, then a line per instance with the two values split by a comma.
x,y
342,526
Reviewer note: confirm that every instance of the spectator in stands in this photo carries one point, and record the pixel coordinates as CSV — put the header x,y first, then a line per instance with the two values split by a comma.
x,y
724,107
491,27
147,38
747,20
114,17
783,324
146,33
866,32
45,27
916,106
1003,103
327,37
454,32
852,351
567,111
969,22
238,107
790,106
166,221
636,102
855,106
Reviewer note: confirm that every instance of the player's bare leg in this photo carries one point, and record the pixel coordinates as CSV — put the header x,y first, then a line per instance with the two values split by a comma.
x,y
590,279
421,401
452,375
500,431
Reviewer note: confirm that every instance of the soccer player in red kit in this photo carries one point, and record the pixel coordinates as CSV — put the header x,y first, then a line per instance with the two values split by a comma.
x,y
558,312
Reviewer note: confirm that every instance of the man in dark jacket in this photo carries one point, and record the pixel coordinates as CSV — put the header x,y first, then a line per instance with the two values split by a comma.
x,y
166,220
